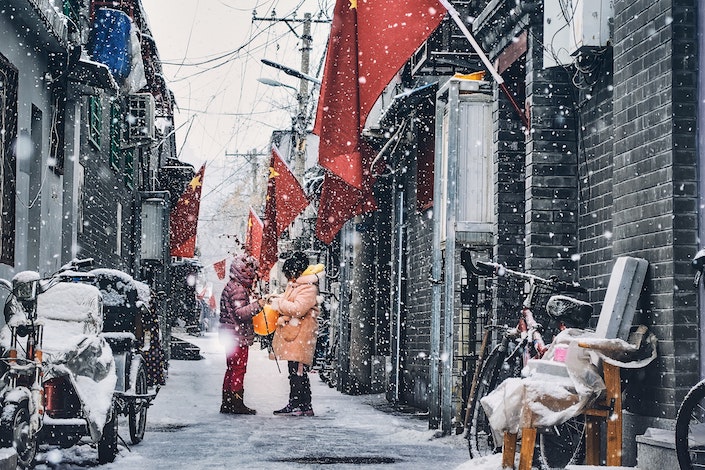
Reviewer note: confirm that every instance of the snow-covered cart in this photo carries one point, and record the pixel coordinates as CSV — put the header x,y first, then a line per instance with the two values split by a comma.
x,y
58,371
125,307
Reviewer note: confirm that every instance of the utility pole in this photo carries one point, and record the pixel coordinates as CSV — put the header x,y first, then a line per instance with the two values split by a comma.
x,y
299,137
252,158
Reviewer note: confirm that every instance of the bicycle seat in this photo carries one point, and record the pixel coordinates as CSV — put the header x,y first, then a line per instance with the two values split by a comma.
x,y
572,312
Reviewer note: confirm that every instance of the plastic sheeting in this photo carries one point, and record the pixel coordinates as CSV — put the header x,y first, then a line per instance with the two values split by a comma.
x,y
115,42
553,391
110,42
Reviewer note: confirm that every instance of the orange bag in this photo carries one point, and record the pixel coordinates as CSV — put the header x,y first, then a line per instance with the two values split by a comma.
x,y
265,322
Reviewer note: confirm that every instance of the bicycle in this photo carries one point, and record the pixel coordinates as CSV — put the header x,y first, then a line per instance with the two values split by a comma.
x,y
563,444
690,419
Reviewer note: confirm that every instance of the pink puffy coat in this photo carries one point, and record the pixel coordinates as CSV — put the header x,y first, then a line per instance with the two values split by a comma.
x,y
297,330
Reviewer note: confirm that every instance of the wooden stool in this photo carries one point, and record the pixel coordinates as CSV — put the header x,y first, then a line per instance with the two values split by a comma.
x,y
608,409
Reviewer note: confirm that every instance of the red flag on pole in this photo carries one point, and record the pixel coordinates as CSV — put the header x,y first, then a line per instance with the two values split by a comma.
x,y
370,41
219,268
253,239
285,201
183,220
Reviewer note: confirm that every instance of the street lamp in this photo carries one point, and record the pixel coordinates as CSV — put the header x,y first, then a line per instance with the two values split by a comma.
x,y
270,82
290,71
302,98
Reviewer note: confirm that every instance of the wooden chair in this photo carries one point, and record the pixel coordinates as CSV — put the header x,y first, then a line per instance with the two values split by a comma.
x,y
607,409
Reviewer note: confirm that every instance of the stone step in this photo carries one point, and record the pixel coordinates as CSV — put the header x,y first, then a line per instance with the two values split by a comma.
x,y
656,448
596,467
184,351
8,459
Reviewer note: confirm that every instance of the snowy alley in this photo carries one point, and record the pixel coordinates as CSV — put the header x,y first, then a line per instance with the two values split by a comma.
x,y
186,431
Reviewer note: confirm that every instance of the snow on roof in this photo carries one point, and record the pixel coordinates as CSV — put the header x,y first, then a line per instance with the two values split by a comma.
x,y
25,276
115,294
70,301
106,272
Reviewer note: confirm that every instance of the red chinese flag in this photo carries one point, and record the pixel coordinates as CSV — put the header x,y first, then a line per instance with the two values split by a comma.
x,y
253,239
219,268
370,41
285,201
183,220
340,202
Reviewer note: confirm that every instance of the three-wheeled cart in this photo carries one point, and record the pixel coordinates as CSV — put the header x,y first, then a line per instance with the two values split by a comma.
x,y
124,308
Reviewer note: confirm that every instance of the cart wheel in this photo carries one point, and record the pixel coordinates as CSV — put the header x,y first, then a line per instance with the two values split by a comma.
x,y
14,432
108,444
138,409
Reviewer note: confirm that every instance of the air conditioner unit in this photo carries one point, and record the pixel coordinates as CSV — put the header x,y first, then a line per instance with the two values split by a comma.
x,y
140,118
571,27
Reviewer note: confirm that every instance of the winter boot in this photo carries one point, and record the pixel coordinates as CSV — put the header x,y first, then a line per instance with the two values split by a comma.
x,y
227,404
238,406
286,410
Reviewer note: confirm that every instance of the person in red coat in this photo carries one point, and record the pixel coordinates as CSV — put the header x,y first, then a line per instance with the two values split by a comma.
x,y
237,307
297,328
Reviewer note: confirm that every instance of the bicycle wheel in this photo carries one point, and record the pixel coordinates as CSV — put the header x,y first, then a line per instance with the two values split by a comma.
x,y
562,445
690,429
500,365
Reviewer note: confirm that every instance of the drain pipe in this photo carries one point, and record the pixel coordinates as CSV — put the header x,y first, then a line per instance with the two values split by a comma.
x,y
701,169
400,226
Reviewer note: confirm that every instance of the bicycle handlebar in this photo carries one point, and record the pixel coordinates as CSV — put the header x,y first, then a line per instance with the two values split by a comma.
x,y
75,264
488,267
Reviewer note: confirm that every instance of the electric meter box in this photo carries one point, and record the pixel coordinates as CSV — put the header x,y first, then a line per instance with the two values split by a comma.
x,y
575,26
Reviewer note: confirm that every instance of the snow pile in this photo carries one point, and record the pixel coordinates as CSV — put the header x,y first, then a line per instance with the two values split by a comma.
x,y
113,295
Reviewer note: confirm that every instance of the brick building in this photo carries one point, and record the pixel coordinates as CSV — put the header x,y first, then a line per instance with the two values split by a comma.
x,y
608,167
84,149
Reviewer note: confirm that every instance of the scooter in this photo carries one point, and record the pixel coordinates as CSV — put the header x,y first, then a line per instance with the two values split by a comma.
x,y
52,342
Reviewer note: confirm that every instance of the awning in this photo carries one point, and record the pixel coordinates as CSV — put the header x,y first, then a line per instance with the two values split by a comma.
x,y
403,103
93,74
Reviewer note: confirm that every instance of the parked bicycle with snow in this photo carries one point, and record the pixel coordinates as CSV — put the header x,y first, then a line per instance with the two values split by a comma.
x,y
526,339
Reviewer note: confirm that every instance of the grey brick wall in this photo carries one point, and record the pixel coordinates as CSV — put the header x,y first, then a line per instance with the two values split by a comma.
x,y
654,182
551,169
611,171
417,327
104,188
595,156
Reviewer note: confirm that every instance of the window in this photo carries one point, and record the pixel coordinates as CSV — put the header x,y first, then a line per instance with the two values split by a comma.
x,y
72,10
115,122
8,134
129,169
425,151
56,142
81,183
118,230
95,120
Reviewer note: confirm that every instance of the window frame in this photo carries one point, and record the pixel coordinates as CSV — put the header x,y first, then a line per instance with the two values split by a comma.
x,y
9,78
95,120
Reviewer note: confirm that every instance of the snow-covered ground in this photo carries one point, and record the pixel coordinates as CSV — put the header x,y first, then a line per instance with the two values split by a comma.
x,y
186,431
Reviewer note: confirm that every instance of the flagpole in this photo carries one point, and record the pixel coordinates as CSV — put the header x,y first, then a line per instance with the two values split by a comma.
x,y
497,77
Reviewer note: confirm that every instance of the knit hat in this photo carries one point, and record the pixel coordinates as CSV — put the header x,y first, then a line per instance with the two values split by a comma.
x,y
244,267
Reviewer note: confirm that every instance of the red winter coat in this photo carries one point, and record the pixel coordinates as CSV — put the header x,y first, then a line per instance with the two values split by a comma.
x,y
297,330
236,308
